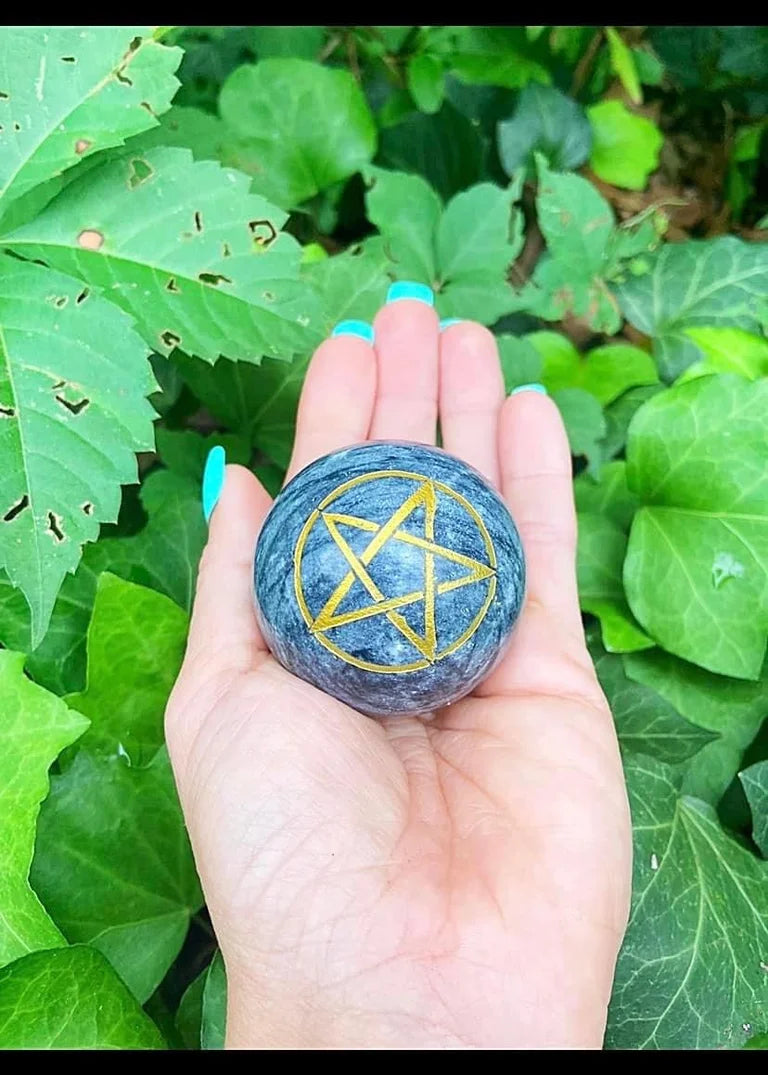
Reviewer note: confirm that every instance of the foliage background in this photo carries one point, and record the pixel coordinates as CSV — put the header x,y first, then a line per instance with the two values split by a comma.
x,y
184,213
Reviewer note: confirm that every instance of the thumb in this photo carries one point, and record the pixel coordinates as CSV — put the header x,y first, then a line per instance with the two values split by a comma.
x,y
223,634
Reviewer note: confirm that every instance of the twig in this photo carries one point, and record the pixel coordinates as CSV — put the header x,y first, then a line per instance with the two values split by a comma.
x,y
585,63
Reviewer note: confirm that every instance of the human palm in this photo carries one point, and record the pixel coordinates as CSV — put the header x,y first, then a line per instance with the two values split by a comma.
x,y
455,881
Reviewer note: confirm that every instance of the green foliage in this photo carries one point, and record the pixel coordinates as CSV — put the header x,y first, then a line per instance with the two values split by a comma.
x,y
185,213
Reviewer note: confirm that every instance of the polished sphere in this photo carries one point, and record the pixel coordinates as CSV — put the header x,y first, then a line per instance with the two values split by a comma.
x,y
389,575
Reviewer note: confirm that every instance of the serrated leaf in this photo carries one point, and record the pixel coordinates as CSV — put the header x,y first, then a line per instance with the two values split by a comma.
x,y
714,282
73,90
164,555
728,350
732,708
352,284
690,974
301,126
645,722
600,558
136,641
34,727
406,210
606,372
547,121
625,147
73,381
623,65
696,572
214,1013
183,247
425,79
520,361
70,999
184,452
114,865
755,783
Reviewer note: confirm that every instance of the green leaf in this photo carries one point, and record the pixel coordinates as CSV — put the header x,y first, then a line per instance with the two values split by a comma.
x,y
609,497
189,1013
114,866
214,1015
520,361
645,722
496,56
584,423
760,1041
185,249
728,350
353,284
184,452
606,372
73,381
303,126
425,79
34,727
650,69
620,413
732,708
302,41
623,65
755,783
70,999
73,91
406,210
690,974
578,225
696,572
717,283
625,147
547,121
192,128
136,642
600,559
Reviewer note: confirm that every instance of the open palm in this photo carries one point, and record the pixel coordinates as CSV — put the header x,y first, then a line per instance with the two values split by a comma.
x,y
458,881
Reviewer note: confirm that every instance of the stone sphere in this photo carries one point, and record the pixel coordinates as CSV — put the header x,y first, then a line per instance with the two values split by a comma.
x,y
389,575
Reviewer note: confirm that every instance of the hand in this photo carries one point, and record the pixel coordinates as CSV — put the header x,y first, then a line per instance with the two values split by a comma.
x,y
461,881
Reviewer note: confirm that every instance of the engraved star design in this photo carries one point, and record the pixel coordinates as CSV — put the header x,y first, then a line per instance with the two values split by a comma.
x,y
382,605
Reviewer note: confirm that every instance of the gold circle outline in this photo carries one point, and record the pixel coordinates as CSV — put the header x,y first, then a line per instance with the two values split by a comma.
x,y
369,666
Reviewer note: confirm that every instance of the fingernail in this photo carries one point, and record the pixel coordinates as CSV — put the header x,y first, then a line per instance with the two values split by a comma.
x,y
406,289
213,479
529,388
361,329
448,322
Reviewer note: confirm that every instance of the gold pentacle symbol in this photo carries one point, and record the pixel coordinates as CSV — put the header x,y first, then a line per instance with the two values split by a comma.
x,y
374,601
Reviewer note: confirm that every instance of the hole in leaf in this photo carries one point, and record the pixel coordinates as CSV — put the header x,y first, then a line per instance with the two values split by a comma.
x,y
61,301
225,250
213,278
17,509
82,296
73,408
58,385
198,221
268,296
123,78
90,240
264,232
170,339
172,285
4,96
134,44
17,126
81,145
54,526
148,106
140,172
68,59
87,508
7,412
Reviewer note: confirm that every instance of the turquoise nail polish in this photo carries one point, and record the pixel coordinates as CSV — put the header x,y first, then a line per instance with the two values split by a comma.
x,y
406,289
529,388
361,329
448,322
213,479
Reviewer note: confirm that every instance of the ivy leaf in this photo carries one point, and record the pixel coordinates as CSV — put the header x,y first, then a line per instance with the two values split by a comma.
x,y
605,372
696,572
214,1014
620,413
625,147
601,549
73,381
728,350
113,863
496,56
34,727
136,641
301,126
80,90
578,226
732,708
70,999
716,283
609,496
190,1012
462,252
690,974
584,423
645,722
185,249
755,783
547,121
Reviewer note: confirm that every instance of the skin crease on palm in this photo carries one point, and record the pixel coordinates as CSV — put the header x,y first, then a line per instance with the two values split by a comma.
x,y
459,881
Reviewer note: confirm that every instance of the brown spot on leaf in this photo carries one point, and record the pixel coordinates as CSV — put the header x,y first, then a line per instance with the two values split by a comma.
x,y
54,526
170,339
264,232
17,509
213,278
81,145
172,285
90,239
73,408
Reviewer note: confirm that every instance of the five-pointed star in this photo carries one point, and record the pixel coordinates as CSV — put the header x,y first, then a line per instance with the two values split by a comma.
x,y
424,496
